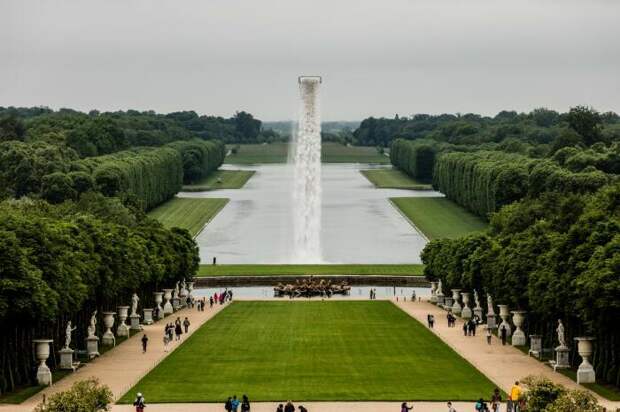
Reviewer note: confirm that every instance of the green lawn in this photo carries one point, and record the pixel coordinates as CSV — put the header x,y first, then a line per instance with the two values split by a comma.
x,y
221,179
278,153
273,270
188,213
394,179
312,350
438,217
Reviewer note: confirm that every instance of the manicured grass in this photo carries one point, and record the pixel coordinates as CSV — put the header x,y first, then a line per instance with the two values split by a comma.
x,y
221,179
609,392
312,350
278,153
188,213
438,217
394,179
274,270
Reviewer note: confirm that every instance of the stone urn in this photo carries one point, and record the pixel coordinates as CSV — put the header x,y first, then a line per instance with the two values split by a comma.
x,y
585,372
466,311
42,351
108,338
456,306
504,313
433,298
518,337
122,329
159,298
167,305
190,289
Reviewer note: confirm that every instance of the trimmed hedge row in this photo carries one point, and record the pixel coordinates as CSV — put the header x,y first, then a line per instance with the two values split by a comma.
x,y
416,158
200,157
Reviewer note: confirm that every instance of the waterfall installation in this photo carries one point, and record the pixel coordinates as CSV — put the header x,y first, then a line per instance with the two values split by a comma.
x,y
306,158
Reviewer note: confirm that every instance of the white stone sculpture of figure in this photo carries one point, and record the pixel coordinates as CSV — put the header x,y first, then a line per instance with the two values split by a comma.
x,y
476,298
183,285
134,304
439,291
490,305
68,334
176,290
560,331
93,322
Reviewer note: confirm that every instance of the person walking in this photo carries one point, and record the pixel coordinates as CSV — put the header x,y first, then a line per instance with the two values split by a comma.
x,y
145,340
496,400
211,302
513,400
405,408
186,324
302,409
503,334
166,342
432,321
289,407
234,404
139,403
465,328
178,331
280,408
450,408
245,404
170,332
473,328
489,335
228,404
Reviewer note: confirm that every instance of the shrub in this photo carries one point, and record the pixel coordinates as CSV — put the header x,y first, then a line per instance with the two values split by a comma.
x,y
84,396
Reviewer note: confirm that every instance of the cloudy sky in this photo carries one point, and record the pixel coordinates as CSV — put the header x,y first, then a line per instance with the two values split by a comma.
x,y
377,57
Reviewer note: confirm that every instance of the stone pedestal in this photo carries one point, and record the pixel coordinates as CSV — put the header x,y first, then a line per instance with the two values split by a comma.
x,y
168,309
466,311
456,306
92,346
535,346
518,337
108,338
135,322
504,313
441,299
447,303
42,351
491,321
585,372
66,358
159,310
122,329
561,358
176,303
433,298
148,316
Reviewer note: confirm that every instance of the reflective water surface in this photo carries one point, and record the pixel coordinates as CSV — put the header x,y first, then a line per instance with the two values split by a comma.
x,y
359,224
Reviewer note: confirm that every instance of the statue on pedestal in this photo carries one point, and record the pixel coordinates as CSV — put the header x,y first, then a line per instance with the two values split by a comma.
x,y
439,286
68,332
92,326
176,290
476,298
561,337
490,309
134,304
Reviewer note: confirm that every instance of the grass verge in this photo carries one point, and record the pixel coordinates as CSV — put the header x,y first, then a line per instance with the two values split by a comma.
x,y
438,217
312,351
221,179
188,213
275,270
394,179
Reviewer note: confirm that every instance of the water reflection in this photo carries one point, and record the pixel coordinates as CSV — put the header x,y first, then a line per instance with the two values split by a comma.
x,y
357,292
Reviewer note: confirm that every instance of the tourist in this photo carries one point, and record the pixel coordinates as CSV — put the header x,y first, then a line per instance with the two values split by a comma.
x,y
186,324
245,404
465,328
289,407
280,408
145,340
432,321
178,331
234,404
473,328
405,408
496,400
166,342
228,404
450,408
481,406
489,335
513,399
211,302
170,332
189,303
413,296
302,409
428,319
503,333
139,403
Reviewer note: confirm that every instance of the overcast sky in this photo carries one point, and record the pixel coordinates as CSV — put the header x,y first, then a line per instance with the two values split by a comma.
x,y
377,57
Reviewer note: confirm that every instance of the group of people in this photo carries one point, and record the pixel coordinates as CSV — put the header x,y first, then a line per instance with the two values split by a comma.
x,y
221,298
469,328
233,404
175,330
373,294
289,407
430,320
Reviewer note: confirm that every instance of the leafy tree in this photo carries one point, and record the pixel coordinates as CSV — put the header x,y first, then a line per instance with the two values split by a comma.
x,y
11,128
586,122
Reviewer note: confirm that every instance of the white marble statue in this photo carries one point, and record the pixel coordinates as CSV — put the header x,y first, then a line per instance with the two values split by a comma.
x,y
92,327
176,290
560,331
439,286
490,305
68,332
476,298
183,285
134,304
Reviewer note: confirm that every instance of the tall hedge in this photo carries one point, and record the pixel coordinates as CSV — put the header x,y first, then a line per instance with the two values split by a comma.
x,y
200,157
416,158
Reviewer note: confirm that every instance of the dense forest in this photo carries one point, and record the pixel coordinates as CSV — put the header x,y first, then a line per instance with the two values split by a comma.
x,y
74,237
548,183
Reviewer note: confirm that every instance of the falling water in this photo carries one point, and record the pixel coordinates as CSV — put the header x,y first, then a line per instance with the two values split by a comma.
x,y
306,158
